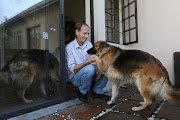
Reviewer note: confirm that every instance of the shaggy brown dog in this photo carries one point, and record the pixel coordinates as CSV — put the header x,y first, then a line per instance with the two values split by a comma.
x,y
133,66
29,65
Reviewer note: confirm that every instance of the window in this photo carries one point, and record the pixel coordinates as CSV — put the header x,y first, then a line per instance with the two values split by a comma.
x,y
17,44
121,21
34,38
6,36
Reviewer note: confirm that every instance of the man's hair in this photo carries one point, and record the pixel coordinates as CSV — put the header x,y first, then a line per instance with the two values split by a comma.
x,y
79,25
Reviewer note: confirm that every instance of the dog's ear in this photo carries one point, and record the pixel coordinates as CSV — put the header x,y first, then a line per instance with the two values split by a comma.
x,y
103,44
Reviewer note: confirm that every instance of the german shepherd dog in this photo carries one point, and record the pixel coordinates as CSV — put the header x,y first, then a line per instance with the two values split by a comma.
x,y
133,66
26,66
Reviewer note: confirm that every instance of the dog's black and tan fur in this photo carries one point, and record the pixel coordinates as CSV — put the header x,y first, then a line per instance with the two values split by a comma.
x,y
133,66
26,66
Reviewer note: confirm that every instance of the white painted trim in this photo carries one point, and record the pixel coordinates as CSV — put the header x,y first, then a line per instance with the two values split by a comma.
x,y
88,15
99,20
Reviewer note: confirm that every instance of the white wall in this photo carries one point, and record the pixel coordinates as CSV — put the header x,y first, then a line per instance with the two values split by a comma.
x,y
99,20
158,30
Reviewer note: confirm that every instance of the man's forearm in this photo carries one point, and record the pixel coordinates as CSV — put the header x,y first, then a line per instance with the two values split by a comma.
x,y
80,66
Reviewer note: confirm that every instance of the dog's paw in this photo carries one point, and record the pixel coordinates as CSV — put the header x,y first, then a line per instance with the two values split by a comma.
x,y
135,108
109,102
94,56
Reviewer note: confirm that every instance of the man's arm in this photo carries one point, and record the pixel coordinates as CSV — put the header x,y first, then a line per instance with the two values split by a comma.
x,y
78,67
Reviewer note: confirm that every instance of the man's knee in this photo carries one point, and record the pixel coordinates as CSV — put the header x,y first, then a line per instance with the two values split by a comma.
x,y
90,69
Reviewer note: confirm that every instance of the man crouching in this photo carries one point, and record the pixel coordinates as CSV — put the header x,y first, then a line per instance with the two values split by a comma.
x,y
81,67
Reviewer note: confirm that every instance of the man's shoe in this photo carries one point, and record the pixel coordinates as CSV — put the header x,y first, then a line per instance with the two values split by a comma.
x,y
100,96
82,97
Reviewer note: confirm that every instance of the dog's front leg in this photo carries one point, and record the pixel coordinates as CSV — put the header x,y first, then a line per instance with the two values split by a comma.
x,y
100,64
21,94
115,91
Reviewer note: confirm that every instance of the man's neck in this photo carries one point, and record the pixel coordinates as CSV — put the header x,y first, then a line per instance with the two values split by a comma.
x,y
80,42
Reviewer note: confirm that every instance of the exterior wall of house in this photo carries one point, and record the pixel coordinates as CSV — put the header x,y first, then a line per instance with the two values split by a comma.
x,y
158,30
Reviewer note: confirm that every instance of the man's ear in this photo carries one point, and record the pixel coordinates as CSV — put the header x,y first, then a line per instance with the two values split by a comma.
x,y
76,31
103,44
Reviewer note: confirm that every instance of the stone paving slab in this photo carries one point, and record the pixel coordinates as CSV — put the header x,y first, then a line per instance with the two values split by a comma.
x,y
169,111
83,111
173,103
127,108
120,116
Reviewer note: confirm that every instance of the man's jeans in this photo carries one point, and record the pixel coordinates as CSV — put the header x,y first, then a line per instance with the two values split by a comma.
x,y
85,76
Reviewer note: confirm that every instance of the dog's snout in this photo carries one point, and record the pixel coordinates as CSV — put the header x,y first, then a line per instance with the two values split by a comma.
x,y
91,51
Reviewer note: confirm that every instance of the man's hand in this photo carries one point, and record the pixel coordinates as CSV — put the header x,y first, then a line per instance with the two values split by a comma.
x,y
91,59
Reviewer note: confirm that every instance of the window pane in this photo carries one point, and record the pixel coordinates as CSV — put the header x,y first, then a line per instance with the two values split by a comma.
x,y
132,9
126,22
126,14
117,40
121,38
127,37
109,34
132,22
131,1
133,35
125,2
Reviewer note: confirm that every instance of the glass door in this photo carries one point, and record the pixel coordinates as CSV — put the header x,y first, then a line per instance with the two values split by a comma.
x,y
32,58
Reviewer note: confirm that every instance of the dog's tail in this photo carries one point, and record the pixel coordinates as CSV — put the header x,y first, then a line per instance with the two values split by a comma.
x,y
170,93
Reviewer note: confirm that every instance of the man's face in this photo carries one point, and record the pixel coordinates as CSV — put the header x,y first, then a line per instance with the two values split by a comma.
x,y
83,34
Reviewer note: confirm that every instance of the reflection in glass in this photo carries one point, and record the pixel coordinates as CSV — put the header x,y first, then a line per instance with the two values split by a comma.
x,y
28,73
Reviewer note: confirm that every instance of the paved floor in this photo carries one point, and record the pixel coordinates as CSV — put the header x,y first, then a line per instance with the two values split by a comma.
x,y
128,98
